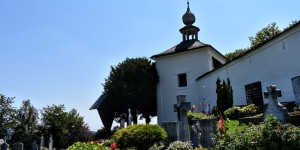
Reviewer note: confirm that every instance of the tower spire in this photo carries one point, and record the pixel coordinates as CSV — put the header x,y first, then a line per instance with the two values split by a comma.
x,y
189,30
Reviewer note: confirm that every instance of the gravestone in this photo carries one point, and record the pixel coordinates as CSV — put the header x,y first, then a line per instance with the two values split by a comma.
x,y
204,106
296,89
182,108
50,142
34,146
122,120
274,107
18,146
4,146
122,123
129,118
171,127
206,128
42,143
254,94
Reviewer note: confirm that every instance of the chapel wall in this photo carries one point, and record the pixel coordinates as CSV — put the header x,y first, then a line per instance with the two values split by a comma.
x,y
276,62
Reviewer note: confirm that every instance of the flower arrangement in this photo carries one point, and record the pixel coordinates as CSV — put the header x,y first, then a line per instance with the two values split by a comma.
x,y
89,145
113,146
221,124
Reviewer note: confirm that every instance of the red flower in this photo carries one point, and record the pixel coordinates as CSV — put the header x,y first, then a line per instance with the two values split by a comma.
x,y
113,146
221,124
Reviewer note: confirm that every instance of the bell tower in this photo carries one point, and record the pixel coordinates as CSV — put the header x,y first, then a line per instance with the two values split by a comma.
x,y
189,32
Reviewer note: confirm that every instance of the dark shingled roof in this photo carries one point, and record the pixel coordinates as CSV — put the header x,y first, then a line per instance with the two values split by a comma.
x,y
251,50
99,101
182,47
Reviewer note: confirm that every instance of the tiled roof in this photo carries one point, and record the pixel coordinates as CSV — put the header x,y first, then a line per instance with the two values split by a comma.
x,y
251,50
182,47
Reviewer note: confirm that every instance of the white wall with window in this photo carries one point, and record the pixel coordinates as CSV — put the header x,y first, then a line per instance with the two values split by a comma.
x,y
274,63
177,75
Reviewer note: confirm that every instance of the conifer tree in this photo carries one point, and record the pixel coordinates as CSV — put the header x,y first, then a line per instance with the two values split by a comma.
x,y
224,95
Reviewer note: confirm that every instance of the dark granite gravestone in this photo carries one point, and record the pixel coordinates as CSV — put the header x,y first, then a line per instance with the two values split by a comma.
x,y
254,94
296,89
34,146
18,146
4,146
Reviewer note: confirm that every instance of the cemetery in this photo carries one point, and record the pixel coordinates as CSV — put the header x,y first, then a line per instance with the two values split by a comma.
x,y
201,99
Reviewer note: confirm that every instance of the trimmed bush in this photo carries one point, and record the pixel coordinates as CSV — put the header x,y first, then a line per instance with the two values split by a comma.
x,y
246,111
196,116
270,134
180,145
139,136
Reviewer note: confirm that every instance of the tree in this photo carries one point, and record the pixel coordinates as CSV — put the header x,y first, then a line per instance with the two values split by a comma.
x,y
235,54
224,95
264,34
104,134
78,130
261,36
7,115
26,128
132,85
54,123
65,127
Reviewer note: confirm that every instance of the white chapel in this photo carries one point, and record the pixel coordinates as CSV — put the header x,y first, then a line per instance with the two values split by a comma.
x,y
192,68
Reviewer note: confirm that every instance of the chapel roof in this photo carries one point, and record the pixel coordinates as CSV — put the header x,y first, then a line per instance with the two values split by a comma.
x,y
98,102
182,47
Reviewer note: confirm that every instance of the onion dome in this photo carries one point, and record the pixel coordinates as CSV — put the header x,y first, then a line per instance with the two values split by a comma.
x,y
188,18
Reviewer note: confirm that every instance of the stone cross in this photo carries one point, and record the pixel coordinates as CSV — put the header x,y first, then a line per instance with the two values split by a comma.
x,y
182,108
274,107
273,93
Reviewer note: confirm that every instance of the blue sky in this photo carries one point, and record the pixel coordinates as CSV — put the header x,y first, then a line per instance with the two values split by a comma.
x,y
60,51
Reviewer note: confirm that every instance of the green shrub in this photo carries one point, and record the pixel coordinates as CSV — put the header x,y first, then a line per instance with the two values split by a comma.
x,y
192,115
139,136
270,134
180,145
88,145
249,110
233,125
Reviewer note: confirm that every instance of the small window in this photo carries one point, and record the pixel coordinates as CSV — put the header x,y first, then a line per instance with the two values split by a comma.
x,y
216,63
182,82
